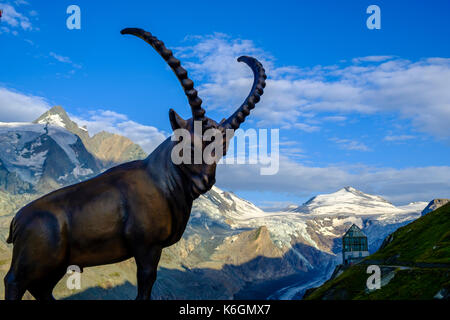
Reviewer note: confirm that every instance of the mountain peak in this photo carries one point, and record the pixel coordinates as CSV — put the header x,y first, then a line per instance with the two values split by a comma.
x,y
58,110
348,200
108,148
349,189
56,116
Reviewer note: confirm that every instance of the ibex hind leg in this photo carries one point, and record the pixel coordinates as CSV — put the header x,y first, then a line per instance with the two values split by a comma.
x,y
43,289
42,294
39,253
38,279
14,290
16,280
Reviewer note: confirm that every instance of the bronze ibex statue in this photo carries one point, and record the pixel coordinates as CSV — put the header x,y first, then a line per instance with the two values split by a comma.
x,y
132,210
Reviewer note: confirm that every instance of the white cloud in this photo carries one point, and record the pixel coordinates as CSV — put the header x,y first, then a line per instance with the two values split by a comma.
x,y
15,106
21,2
348,144
147,137
60,58
226,82
306,127
418,91
397,185
14,19
402,137
67,60
372,59
335,118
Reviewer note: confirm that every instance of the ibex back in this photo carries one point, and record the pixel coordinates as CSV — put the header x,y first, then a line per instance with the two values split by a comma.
x,y
132,210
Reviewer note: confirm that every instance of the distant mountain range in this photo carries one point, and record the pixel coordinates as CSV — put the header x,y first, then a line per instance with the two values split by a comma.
x,y
231,248
54,151
348,200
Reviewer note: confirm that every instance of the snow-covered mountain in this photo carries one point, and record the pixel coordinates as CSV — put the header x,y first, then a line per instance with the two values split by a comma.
x,y
54,151
42,157
375,215
325,215
108,148
348,200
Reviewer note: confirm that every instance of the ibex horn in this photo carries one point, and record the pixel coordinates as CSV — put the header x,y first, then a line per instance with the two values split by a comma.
x,y
195,102
259,83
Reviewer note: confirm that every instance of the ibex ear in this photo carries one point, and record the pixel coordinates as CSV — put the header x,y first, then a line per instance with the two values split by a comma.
x,y
176,121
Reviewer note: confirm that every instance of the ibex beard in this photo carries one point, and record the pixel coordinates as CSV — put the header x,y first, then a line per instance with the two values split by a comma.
x,y
132,210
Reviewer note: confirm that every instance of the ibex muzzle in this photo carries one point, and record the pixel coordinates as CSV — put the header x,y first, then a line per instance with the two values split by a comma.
x,y
132,210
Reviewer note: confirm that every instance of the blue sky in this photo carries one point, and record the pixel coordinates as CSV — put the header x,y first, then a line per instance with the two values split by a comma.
x,y
360,107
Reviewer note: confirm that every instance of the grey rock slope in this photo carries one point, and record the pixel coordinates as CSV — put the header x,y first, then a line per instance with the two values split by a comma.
x,y
434,204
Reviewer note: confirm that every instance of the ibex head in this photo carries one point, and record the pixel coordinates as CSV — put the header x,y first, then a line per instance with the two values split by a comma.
x,y
202,173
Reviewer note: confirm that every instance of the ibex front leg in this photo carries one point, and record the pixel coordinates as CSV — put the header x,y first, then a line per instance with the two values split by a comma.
x,y
147,264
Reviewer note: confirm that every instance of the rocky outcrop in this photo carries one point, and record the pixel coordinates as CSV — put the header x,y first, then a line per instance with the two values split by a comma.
x,y
244,247
57,116
12,183
434,204
112,149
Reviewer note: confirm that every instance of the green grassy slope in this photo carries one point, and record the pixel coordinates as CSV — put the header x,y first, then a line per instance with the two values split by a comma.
x,y
414,262
425,240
